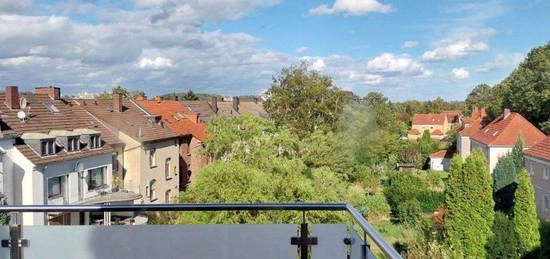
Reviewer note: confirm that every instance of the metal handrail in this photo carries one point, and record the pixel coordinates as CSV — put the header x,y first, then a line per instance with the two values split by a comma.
x,y
384,246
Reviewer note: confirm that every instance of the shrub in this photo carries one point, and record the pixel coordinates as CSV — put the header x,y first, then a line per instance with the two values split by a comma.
x,y
409,212
430,200
504,242
545,239
421,248
376,206
402,186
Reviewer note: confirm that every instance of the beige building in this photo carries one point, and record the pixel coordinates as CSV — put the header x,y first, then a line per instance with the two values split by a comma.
x,y
501,135
537,161
437,124
148,160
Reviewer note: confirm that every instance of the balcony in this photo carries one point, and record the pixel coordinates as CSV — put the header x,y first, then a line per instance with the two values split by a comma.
x,y
229,241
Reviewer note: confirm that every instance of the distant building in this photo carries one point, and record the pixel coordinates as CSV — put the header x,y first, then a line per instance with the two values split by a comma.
x,y
537,161
470,126
437,124
441,160
500,135
187,123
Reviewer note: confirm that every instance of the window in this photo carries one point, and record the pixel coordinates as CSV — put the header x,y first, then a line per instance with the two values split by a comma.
x,y
167,196
95,141
546,206
152,157
167,171
96,178
51,108
531,169
56,186
48,147
545,173
152,190
115,161
73,144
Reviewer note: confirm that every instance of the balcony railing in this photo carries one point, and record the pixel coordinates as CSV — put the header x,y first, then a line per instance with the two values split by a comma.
x,y
316,241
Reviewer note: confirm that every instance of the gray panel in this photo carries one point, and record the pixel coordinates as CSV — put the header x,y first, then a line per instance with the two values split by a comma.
x,y
161,241
4,234
330,241
357,247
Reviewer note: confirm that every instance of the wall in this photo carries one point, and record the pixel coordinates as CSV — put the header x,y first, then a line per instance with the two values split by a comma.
x,y
130,163
463,145
541,185
492,153
164,149
198,161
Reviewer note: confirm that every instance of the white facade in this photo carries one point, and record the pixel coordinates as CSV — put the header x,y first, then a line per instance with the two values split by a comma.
x,y
27,184
492,153
440,164
463,144
540,177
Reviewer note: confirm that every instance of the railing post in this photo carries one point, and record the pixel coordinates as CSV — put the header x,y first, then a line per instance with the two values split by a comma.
x,y
15,242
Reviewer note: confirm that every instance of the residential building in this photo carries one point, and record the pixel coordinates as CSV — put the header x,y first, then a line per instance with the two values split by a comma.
x,y
537,161
232,106
188,124
500,135
59,155
437,124
470,126
441,160
148,160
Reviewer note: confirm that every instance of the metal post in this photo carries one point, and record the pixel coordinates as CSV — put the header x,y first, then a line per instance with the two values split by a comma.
x,y
15,236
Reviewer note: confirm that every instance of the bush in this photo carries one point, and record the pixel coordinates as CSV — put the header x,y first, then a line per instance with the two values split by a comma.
x,y
504,242
402,186
430,200
421,248
409,212
545,239
376,206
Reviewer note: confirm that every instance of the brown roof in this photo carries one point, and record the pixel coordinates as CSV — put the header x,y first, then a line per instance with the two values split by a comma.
x,y
505,130
471,125
202,107
443,154
133,121
428,119
176,117
437,132
414,132
42,120
541,149
452,116
255,108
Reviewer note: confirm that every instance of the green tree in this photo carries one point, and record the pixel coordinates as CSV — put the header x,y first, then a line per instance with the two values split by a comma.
x,y
409,212
304,100
479,97
526,224
505,177
189,96
504,243
426,137
469,202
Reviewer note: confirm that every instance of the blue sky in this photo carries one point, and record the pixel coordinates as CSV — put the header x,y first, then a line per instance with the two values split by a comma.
x,y
404,49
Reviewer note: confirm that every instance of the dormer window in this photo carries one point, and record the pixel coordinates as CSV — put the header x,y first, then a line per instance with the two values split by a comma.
x,y
48,147
95,141
73,144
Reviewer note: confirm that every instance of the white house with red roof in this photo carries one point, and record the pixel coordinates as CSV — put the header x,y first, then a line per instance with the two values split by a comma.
x,y
441,160
537,161
500,135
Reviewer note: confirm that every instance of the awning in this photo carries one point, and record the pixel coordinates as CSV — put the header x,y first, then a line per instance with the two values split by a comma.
x,y
121,196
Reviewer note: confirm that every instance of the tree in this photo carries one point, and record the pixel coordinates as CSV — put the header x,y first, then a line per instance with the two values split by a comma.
x,y
426,137
469,202
304,100
504,243
105,95
526,224
478,97
189,96
505,177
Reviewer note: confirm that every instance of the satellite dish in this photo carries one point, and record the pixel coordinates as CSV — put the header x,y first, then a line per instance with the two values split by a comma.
x,y
21,115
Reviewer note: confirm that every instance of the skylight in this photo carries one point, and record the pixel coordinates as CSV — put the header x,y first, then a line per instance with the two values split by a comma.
x,y
51,107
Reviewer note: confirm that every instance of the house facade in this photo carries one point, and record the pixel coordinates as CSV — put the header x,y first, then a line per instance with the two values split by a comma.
x,y
537,161
437,124
148,159
499,137
441,160
57,155
470,126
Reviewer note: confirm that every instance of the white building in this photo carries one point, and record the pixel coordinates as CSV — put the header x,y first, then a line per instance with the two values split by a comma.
x,y
537,161
441,160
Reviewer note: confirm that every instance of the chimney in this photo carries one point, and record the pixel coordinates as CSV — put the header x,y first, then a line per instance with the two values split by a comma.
x,y
176,98
141,98
194,117
506,113
215,104
53,92
236,103
117,102
12,97
158,99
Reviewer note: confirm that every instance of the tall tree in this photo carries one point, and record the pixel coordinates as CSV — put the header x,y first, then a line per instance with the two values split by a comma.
x,y
478,97
304,100
190,96
505,177
526,224
504,243
469,203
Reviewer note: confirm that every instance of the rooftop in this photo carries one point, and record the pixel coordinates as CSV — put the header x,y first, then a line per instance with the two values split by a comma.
x,y
506,129
428,119
540,150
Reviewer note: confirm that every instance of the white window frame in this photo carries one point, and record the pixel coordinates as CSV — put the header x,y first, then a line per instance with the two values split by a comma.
x,y
152,157
167,168
73,144
103,177
62,187
545,173
152,190
48,149
95,141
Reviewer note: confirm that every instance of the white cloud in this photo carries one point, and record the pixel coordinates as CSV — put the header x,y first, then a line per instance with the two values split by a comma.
x,y
315,63
409,44
460,73
302,50
502,61
155,63
389,63
351,7
459,45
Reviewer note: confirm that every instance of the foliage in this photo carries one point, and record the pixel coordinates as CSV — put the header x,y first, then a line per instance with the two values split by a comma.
x,y
468,198
430,200
4,218
525,219
376,207
505,177
545,239
504,242
426,136
402,186
421,248
408,212
105,95
190,96
304,100
321,149
410,155
479,97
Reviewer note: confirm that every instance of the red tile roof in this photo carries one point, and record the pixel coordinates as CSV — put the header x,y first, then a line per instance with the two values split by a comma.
x,y
414,132
443,154
452,116
541,149
504,131
428,119
471,125
437,132
176,116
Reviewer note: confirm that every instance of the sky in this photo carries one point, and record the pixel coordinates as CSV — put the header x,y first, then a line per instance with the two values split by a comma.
x,y
404,49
